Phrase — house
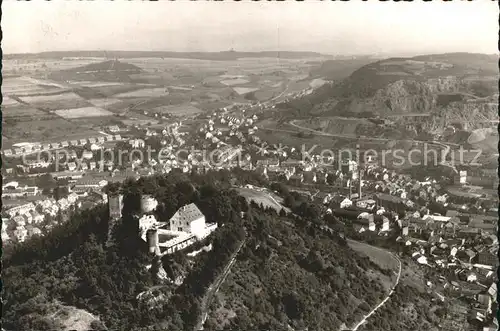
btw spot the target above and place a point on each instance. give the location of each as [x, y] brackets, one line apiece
[87, 155]
[20, 210]
[484, 301]
[21, 234]
[188, 219]
[390, 202]
[466, 255]
[72, 197]
[296, 179]
[492, 290]
[90, 183]
[19, 220]
[37, 217]
[366, 223]
[345, 203]
[486, 257]
[419, 258]
[477, 315]
[385, 224]
[366, 204]
[114, 128]
[468, 233]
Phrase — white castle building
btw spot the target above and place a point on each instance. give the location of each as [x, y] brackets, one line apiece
[187, 226]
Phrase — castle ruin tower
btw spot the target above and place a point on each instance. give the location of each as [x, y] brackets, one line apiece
[115, 206]
[152, 239]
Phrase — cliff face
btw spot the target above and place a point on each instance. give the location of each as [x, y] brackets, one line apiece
[434, 91]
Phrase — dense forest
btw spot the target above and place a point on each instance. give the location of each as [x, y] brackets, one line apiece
[73, 266]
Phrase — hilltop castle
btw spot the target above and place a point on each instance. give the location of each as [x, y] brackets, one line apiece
[184, 228]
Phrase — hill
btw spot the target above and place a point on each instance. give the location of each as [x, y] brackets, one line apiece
[339, 68]
[457, 89]
[127, 289]
[213, 56]
[112, 70]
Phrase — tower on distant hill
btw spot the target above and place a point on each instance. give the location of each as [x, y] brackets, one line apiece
[115, 206]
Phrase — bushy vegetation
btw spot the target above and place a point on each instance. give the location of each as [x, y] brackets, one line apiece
[293, 273]
[307, 276]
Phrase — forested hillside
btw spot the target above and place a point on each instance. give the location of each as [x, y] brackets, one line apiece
[126, 289]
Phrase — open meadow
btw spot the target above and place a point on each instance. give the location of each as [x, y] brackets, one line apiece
[83, 112]
[261, 197]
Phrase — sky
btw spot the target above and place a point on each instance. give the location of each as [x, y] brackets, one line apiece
[330, 27]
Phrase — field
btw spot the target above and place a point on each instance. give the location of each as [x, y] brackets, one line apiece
[261, 197]
[83, 112]
[245, 90]
[56, 102]
[96, 84]
[335, 125]
[79, 101]
[236, 81]
[144, 93]
[180, 110]
[9, 102]
[20, 111]
[104, 102]
[39, 130]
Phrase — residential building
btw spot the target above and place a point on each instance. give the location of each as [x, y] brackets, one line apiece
[390, 202]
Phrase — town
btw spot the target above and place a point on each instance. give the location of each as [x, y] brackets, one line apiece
[445, 224]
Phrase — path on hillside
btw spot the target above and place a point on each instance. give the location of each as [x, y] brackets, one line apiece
[444, 145]
[382, 303]
[214, 288]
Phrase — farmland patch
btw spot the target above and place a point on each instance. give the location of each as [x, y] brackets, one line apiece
[21, 111]
[179, 110]
[51, 98]
[40, 130]
[261, 197]
[235, 81]
[57, 101]
[143, 93]
[9, 102]
[100, 84]
[245, 90]
[104, 102]
[83, 112]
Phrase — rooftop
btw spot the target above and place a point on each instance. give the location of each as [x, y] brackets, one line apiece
[187, 214]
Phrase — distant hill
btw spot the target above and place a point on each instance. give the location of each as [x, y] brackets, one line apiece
[449, 88]
[112, 70]
[214, 56]
[339, 68]
[111, 65]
